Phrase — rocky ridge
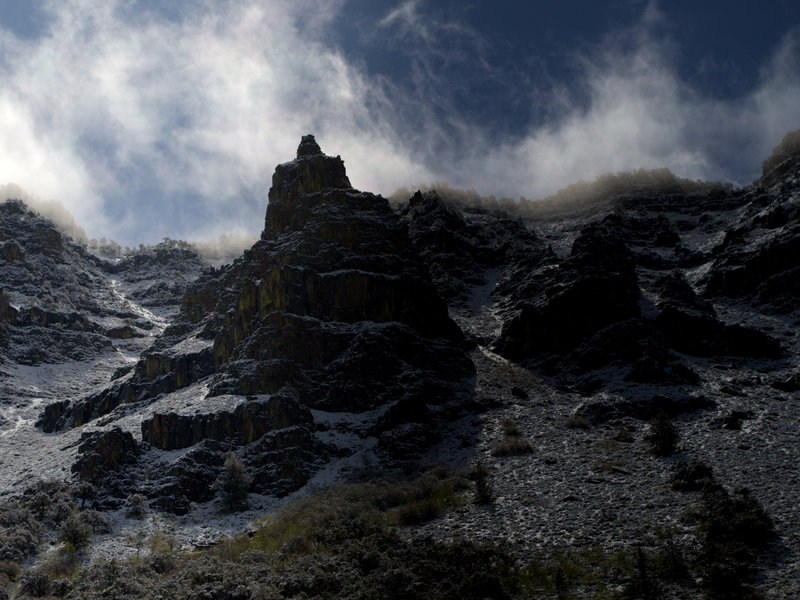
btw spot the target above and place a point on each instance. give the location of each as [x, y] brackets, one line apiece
[355, 337]
[331, 311]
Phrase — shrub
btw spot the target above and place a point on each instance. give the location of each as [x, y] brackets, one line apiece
[137, 507]
[34, 583]
[483, 487]
[690, 476]
[509, 427]
[663, 437]
[9, 568]
[733, 528]
[234, 484]
[512, 446]
[96, 520]
[74, 533]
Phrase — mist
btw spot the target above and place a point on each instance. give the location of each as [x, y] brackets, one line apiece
[146, 127]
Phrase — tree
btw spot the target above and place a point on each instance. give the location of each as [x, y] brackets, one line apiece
[663, 438]
[234, 484]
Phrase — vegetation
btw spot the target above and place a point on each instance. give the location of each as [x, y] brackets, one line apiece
[609, 187]
[483, 487]
[234, 484]
[513, 442]
[663, 437]
[355, 541]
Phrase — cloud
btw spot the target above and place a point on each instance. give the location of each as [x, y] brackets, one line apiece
[148, 125]
[141, 124]
[628, 108]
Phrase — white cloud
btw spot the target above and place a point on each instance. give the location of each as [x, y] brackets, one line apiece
[112, 105]
[147, 127]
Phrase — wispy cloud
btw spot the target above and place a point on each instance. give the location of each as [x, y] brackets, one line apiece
[145, 126]
[132, 120]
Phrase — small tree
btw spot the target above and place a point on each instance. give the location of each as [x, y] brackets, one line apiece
[234, 484]
[663, 438]
[74, 533]
[483, 487]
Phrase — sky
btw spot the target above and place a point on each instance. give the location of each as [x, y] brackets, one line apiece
[148, 119]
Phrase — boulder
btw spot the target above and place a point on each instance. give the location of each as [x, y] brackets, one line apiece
[102, 452]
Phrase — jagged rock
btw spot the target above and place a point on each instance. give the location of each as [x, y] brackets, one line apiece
[245, 423]
[283, 461]
[705, 336]
[768, 274]
[104, 451]
[674, 291]
[8, 314]
[595, 287]
[158, 372]
[458, 245]
[12, 251]
[332, 301]
[53, 417]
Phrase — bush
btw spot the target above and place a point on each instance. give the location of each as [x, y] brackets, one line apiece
[483, 487]
[663, 437]
[509, 427]
[96, 520]
[234, 484]
[137, 507]
[512, 446]
[74, 533]
[690, 476]
[9, 568]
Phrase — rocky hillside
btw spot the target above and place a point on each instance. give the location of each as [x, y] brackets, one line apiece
[623, 373]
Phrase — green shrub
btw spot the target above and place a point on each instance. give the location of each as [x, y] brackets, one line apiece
[510, 427]
[75, 534]
[483, 487]
[136, 505]
[234, 484]
[512, 446]
[690, 476]
[663, 437]
[9, 568]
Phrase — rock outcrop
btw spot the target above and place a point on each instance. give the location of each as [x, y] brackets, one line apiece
[332, 301]
[331, 310]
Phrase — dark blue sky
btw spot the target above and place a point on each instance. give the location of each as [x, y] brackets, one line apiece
[149, 118]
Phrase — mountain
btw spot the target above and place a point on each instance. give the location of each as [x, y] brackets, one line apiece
[619, 361]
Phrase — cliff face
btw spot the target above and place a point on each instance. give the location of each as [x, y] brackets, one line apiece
[333, 301]
[331, 310]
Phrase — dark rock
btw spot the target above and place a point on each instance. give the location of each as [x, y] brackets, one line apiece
[790, 384]
[11, 250]
[519, 393]
[8, 314]
[595, 287]
[284, 460]
[53, 417]
[244, 424]
[458, 245]
[408, 440]
[104, 451]
[701, 335]
[599, 410]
